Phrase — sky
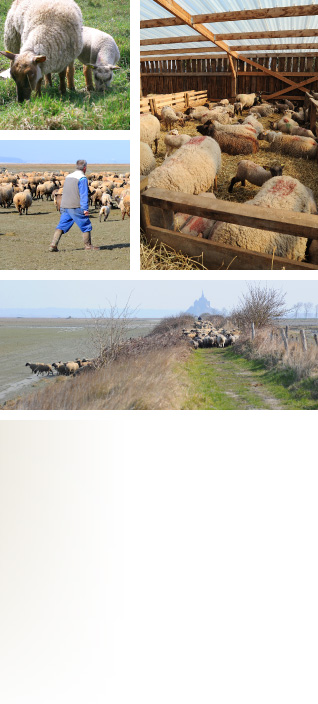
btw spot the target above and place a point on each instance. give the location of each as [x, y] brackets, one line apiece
[99, 151]
[167, 295]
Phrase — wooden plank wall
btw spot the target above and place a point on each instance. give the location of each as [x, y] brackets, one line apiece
[213, 75]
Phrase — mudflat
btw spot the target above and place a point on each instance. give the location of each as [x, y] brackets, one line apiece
[49, 340]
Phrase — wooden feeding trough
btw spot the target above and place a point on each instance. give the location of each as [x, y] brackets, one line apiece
[216, 255]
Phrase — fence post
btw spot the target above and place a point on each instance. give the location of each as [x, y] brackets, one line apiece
[253, 331]
[286, 331]
[186, 100]
[316, 338]
[284, 338]
[271, 335]
[303, 340]
[152, 104]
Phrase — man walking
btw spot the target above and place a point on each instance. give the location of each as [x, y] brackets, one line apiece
[74, 207]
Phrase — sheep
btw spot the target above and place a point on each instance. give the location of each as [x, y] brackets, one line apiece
[191, 169]
[6, 195]
[247, 100]
[46, 189]
[292, 145]
[33, 367]
[23, 201]
[254, 173]
[222, 117]
[280, 193]
[263, 110]
[106, 199]
[50, 35]
[252, 120]
[196, 113]
[230, 142]
[60, 368]
[238, 107]
[104, 212]
[168, 116]
[147, 160]
[174, 140]
[194, 225]
[71, 367]
[150, 130]
[220, 340]
[41, 368]
[289, 126]
[124, 205]
[100, 53]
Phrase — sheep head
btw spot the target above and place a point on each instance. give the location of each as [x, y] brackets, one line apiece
[103, 74]
[25, 71]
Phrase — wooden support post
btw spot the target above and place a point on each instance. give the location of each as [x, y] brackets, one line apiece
[152, 104]
[316, 338]
[186, 100]
[303, 340]
[253, 331]
[284, 338]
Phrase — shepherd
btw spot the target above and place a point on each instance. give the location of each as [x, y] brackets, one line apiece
[74, 207]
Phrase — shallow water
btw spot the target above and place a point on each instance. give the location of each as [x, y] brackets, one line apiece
[49, 340]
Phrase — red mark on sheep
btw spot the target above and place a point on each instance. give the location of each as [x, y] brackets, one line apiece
[283, 188]
[197, 140]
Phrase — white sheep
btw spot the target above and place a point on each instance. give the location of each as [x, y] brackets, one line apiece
[195, 225]
[41, 37]
[100, 53]
[174, 140]
[147, 160]
[289, 126]
[106, 199]
[23, 201]
[262, 110]
[254, 173]
[252, 120]
[293, 145]
[247, 99]
[150, 130]
[280, 193]
[169, 116]
[104, 212]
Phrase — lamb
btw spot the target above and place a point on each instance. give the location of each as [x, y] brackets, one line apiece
[281, 193]
[104, 212]
[23, 201]
[150, 130]
[174, 140]
[293, 145]
[147, 159]
[254, 173]
[100, 53]
[41, 38]
[168, 116]
[247, 100]
[231, 143]
[238, 107]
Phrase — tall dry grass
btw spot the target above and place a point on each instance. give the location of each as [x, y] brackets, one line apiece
[270, 349]
[152, 380]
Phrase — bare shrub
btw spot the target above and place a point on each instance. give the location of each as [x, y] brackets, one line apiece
[261, 305]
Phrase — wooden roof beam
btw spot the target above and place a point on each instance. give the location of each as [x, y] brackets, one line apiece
[179, 12]
[219, 55]
[237, 47]
[257, 14]
[277, 34]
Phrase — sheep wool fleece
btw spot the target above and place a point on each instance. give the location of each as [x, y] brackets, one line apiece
[74, 202]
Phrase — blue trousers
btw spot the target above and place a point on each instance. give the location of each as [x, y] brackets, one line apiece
[69, 216]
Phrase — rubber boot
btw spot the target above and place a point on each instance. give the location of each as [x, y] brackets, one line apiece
[56, 238]
[87, 241]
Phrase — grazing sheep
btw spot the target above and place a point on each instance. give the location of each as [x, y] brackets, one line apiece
[23, 201]
[292, 145]
[168, 116]
[41, 38]
[247, 100]
[147, 159]
[104, 212]
[174, 140]
[254, 173]
[231, 142]
[100, 53]
[280, 193]
[150, 130]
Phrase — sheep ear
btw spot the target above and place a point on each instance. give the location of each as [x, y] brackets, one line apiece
[40, 59]
[91, 65]
[8, 55]
[114, 67]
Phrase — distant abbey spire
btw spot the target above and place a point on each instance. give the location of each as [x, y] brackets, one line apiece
[202, 305]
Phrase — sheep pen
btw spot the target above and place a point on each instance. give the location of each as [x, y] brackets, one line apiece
[79, 108]
[25, 239]
[277, 78]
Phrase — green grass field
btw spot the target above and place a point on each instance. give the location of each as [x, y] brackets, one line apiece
[77, 110]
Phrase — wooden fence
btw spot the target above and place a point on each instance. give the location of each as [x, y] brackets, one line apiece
[171, 75]
[181, 101]
[216, 255]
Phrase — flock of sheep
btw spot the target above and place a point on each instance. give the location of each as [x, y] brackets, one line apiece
[44, 37]
[192, 164]
[107, 189]
[62, 368]
[204, 334]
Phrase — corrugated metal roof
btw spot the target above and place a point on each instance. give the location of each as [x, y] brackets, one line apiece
[150, 10]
